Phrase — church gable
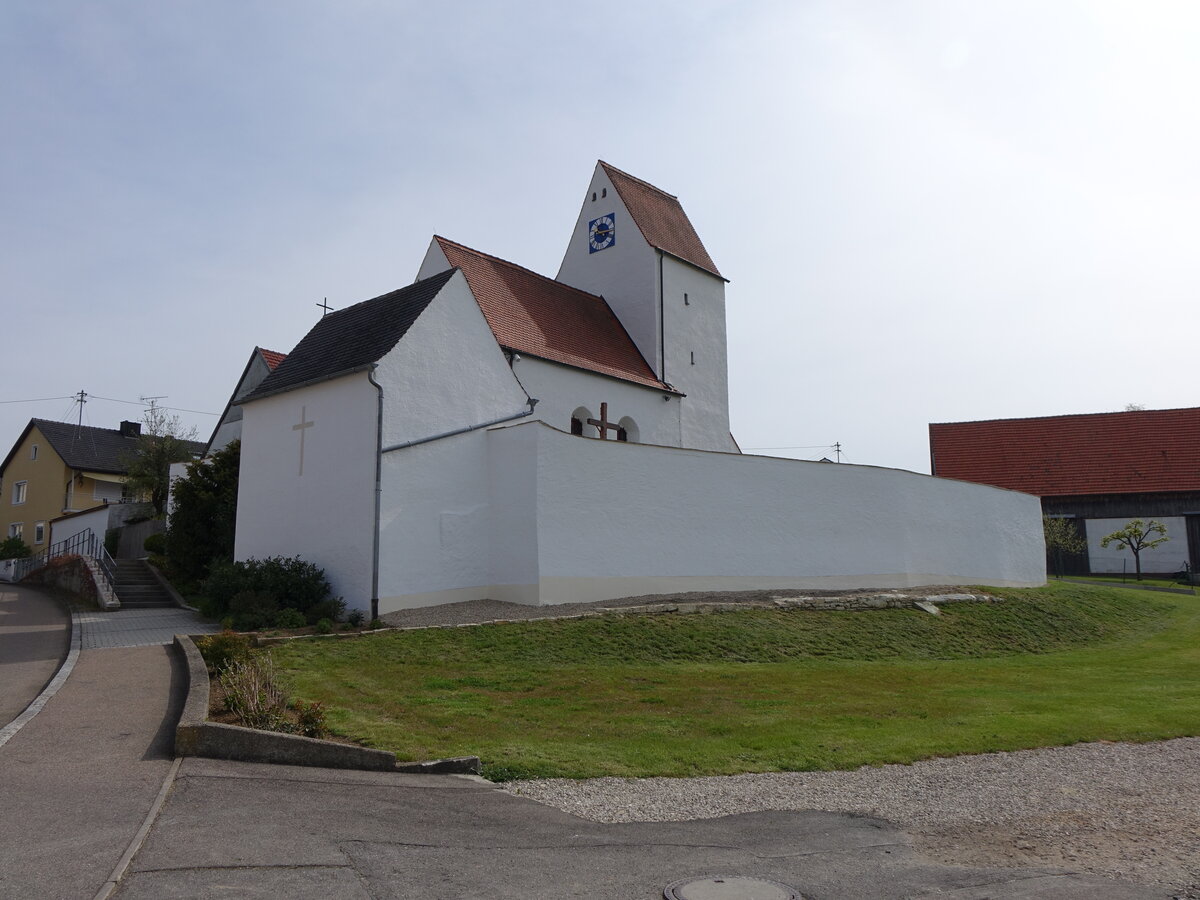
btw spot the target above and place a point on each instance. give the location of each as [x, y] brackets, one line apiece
[351, 339]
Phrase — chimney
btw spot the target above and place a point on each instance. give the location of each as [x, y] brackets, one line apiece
[131, 429]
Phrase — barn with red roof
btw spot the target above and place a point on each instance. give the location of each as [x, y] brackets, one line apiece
[1100, 470]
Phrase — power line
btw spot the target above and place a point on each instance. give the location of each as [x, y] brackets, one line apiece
[140, 403]
[40, 399]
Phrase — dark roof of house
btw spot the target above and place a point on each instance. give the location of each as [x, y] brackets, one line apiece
[87, 448]
[533, 314]
[351, 339]
[1140, 451]
[661, 219]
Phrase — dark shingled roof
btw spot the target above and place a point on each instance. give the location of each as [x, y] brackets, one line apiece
[351, 339]
[660, 218]
[1141, 451]
[87, 448]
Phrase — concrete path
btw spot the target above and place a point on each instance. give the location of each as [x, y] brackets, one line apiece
[139, 627]
[35, 632]
[249, 830]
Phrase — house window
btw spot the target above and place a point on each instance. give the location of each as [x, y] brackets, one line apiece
[39, 532]
[33, 451]
[19, 491]
[16, 529]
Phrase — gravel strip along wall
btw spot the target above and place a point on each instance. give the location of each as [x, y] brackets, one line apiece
[1129, 811]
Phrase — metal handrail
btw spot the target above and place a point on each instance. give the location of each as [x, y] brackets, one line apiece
[85, 543]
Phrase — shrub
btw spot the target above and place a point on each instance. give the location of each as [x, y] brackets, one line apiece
[310, 718]
[14, 547]
[355, 618]
[204, 510]
[252, 610]
[155, 544]
[375, 624]
[290, 618]
[324, 626]
[255, 693]
[291, 583]
[219, 650]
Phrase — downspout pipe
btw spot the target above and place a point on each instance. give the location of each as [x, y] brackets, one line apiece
[463, 430]
[378, 496]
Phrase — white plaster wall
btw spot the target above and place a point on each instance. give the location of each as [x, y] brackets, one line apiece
[447, 372]
[696, 331]
[96, 520]
[325, 515]
[621, 519]
[459, 522]
[434, 263]
[561, 389]
[1168, 557]
[625, 274]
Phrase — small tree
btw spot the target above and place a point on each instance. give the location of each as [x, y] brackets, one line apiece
[1136, 537]
[1062, 537]
[163, 441]
[200, 530]
[13, 547]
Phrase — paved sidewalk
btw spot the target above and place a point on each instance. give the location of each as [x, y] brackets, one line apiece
[139, 627]
[35, 633]
[77, 781]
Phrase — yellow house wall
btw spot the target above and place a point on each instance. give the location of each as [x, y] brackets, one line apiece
[46, 485]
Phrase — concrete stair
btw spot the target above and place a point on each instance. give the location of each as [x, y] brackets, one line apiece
[137, 588]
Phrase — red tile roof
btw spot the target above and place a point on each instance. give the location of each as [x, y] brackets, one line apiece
[533, 314]
[660, 218]
[1103, 453]
[272, 358]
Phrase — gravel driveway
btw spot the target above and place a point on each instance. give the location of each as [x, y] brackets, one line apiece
[1129, 811]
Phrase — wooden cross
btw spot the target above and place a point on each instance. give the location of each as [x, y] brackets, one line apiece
[603, 425]
[324, 304]
[302, 427]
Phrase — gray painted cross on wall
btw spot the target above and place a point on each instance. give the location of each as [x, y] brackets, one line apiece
[303, 426]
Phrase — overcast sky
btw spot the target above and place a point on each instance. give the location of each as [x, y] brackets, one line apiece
[928, 211]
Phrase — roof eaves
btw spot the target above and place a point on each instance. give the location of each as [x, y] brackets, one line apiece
[661, 387]
[262, 395]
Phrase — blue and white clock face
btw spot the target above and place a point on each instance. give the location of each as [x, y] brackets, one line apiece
[602, 233]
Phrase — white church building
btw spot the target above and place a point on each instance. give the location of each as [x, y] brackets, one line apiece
[489, 432]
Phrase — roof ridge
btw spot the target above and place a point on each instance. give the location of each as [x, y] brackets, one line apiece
[511, 264]
[610, 168]
[1115, 412]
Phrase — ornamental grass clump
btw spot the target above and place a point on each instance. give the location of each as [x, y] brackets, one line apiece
[255, 692]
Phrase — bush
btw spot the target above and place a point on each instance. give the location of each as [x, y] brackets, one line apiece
[290, 618]
[204, 510]
[355, 618]
[255, 693]
[219, 650]
[290, 583]
[310, 718]
[14, 548]
[252, 610]
[155, 544]
[324, 626]
[375, 624]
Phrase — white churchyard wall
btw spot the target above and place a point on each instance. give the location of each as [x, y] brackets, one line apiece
[325, 514]
[1168, 557]
[571, 519]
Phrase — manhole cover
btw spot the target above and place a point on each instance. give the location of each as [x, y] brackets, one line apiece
[729, 887]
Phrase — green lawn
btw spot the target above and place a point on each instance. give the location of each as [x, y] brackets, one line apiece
[765, 690]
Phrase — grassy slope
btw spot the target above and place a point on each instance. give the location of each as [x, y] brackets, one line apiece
[769, 690]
